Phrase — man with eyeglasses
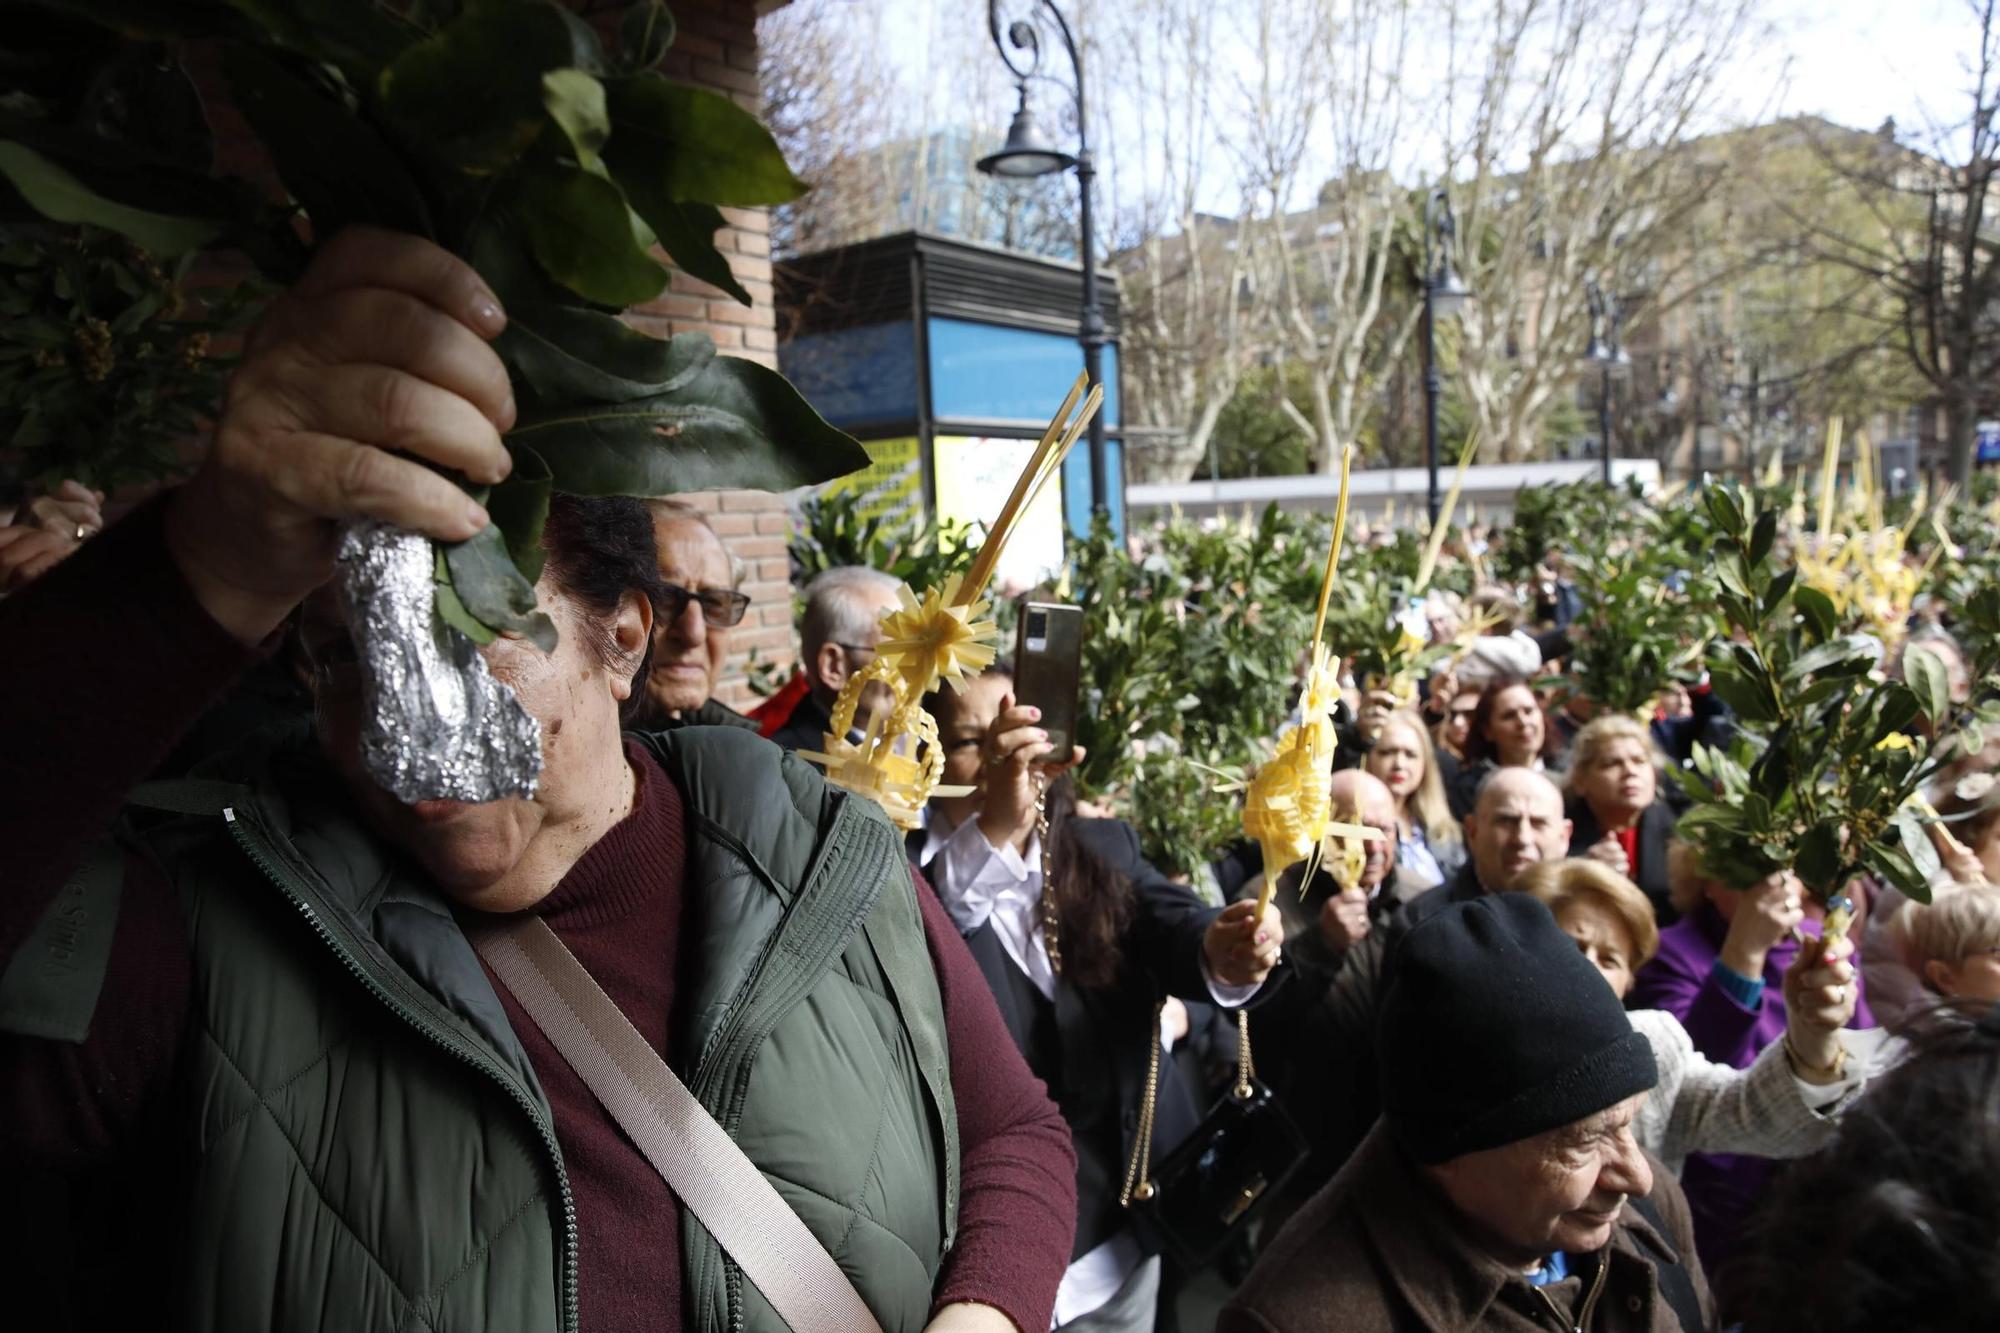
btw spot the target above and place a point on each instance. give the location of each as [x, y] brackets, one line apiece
[691, 633]
[837, 637]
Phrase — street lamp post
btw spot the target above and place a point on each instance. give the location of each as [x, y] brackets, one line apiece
[1700, 374]
[1670, 408]
[1028, 154]
[1444, 293]
[1750, 436]
[1608, 354]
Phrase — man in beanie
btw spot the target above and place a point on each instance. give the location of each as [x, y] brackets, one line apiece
[1517, 824]
[1502, 1188]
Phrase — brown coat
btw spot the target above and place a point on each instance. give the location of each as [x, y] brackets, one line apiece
[1378, 1251]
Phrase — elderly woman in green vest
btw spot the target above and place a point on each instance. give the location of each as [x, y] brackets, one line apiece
[252, 1073]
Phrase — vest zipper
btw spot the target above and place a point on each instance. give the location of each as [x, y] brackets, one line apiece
[1581, 1323]
[247, 841]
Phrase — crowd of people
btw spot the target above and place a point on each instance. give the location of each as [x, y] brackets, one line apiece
[1545, 1071]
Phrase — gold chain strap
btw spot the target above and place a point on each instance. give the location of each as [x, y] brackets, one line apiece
[1246, 1068]
[1138, 1171]
[1050, 938]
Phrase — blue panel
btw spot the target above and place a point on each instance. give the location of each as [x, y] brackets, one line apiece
[1076, 486]
[982, 372]
[855, 376]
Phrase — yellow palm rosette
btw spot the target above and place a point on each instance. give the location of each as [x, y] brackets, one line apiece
[936, 638]
[1287, 805]
[878, 767]
[1287, 811]
[928, 640]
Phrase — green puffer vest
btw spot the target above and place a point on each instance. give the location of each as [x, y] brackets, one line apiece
[372, 1149]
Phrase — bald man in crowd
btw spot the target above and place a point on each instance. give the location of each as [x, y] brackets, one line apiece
[1324, 922]
[1517, 820]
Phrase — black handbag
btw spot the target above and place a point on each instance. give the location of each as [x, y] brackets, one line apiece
[1203, 1193]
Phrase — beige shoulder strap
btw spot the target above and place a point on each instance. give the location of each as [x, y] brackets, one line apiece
[699, 1161]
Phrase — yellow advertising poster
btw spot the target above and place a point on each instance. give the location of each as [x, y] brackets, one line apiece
[891, 486]
[975, 474]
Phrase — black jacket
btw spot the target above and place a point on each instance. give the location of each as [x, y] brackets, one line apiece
[1312, 964]
[1335, 1095]
[1285, 1029]
[805, 729]
[1656, 831]
[1092, 1046]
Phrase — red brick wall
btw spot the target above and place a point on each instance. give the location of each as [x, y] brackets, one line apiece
[717, 48]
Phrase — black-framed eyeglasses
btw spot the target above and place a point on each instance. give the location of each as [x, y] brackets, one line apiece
[854, 649]
[720, 607]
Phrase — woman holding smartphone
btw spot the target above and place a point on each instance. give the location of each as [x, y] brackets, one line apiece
[1080, 939]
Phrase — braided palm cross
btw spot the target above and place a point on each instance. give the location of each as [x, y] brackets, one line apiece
[939, 637]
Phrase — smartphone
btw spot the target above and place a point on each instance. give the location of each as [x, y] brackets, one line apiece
[1048, 666]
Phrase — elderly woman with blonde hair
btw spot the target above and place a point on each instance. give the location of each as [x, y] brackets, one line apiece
[1783, 1104]
[1615, 811]
[1967, 838]
[1952, 943]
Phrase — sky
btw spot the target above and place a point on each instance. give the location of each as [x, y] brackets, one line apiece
[1859, 61]
[1854, 62]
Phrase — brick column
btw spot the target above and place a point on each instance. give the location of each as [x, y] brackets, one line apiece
[716, 47]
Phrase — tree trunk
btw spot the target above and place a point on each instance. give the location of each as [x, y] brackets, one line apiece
[1161, 460]
[1326, 437]
[1961, 422]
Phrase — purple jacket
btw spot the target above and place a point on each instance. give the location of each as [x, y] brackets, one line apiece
[1678, 981]
[1720, 1187]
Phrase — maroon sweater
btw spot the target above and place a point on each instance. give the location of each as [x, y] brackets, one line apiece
[106, 662]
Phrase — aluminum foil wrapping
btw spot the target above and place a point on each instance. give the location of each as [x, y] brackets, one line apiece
[436, 724]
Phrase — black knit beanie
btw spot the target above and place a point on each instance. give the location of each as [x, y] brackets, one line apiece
[1494, 1028]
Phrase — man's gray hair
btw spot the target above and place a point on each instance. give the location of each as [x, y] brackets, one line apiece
[835, 610]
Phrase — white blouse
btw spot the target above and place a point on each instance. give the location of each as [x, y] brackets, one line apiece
[980, 884]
